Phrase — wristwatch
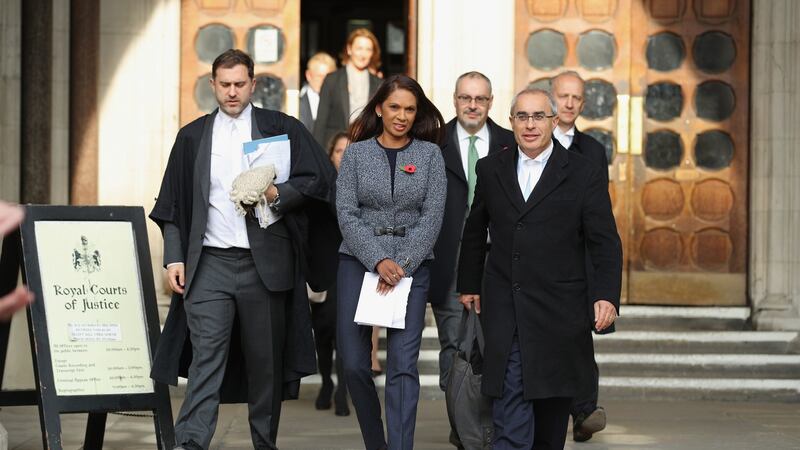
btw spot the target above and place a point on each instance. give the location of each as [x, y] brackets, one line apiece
[275, 204]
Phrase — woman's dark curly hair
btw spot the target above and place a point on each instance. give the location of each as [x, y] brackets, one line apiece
[428, 123]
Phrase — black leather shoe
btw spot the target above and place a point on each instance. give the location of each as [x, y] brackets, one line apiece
[340, 400]
[583, 427]
[324, 396]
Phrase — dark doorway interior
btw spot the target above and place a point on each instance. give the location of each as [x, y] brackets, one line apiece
[325, 25]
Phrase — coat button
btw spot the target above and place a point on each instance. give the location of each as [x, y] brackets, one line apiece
[516, 256]
[516, 287]
[520, 225]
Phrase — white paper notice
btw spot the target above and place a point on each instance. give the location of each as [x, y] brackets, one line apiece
[94, 332]
[388, 310]
[265, 46]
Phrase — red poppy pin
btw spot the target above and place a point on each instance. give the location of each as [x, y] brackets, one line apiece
[409, 169]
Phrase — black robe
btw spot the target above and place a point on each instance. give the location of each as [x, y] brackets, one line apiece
[315, 239]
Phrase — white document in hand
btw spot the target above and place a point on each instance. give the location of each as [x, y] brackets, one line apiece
[275, 150]
[382, 310]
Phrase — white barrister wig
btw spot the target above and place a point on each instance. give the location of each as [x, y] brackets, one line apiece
[249, 189]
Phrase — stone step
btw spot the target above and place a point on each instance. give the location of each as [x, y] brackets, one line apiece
[734, 342]
[727, 342]
[673, 318]
[678, 318]
[741, 366]
[654, 388]
[725, 389]
[663, 365]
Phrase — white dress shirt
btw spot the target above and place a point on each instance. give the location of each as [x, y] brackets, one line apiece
[481, 144]
[313, 102]
[225, 227]
[564, 137]
[529, 170]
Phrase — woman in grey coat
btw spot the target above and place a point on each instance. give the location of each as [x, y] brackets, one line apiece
[390, 200]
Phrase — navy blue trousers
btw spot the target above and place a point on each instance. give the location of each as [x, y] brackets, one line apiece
[539, 424]
[402, 353]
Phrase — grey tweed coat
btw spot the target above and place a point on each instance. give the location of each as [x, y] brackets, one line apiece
[364, 201]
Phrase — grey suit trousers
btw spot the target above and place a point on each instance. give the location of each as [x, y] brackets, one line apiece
[227, 284]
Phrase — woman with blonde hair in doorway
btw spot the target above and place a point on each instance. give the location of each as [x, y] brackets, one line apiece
[345, 91]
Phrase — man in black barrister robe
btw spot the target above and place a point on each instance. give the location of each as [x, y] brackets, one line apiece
[239, 315]
[544, 207]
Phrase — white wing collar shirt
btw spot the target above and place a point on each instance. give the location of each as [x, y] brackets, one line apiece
[564, 137]
[481, 144]
[225, 227]
[529, 170]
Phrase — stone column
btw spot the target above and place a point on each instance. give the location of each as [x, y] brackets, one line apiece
[84, 55]
[36, 77]
[10, 24]
[138, 99]
[775, 165]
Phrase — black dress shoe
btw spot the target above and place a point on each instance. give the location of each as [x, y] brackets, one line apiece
[340, 400]
[583, 427]
[324, 396]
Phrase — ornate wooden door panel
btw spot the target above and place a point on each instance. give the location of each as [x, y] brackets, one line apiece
[690, 67]
[667, 93]
[268, 30]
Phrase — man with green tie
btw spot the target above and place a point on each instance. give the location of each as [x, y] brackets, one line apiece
[470, 135]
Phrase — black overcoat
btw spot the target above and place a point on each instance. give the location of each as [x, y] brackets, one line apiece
[314, 236]
[589, 147]
[443, 267]
[535, 278]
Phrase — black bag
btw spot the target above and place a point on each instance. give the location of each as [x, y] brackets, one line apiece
[469, 411]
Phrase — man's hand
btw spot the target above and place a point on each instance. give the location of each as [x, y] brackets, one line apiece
[469, 299]
[13, 302]
[604, 314]
[271, 193]
[176, 277]
[390, 271]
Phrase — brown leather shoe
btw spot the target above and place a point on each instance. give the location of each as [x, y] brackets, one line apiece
[584, 427]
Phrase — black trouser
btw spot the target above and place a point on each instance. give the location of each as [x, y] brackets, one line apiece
[226, 284]
[587, 404]
[323, 321]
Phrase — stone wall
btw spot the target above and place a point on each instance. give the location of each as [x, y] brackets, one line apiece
[775, 165]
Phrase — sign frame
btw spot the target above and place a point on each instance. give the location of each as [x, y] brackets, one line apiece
[50, 404]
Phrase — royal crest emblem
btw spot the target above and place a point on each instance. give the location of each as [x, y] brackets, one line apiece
[87, 258]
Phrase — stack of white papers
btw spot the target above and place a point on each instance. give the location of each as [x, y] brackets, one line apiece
[388, 310]
[275, 151]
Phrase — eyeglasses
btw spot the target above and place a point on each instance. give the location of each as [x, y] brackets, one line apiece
[480, 100]
[538, 116]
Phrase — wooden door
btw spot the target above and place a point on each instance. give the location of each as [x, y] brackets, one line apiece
[667, 93]
[268, 30]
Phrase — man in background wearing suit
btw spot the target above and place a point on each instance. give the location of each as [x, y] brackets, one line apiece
[317, 67]
[568, 91]
[239, 298]
[543, 206]
[469, 136]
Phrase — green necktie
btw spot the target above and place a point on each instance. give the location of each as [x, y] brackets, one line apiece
[472, 159]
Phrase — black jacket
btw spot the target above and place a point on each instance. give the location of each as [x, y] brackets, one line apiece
[534, 281]
[588, 146]
[443, 268]
[333, 114]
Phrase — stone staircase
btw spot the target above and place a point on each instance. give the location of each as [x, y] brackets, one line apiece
[665, 353]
